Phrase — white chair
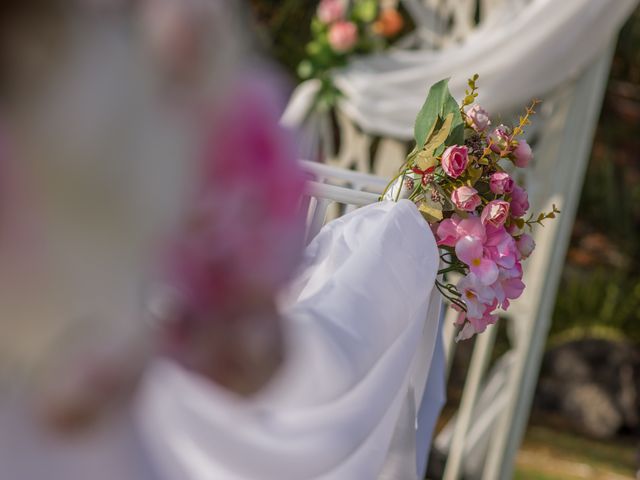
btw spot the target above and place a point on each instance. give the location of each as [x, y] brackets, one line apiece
[351, 190]
[482, 443]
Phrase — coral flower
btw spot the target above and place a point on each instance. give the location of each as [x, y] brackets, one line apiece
[389, 23]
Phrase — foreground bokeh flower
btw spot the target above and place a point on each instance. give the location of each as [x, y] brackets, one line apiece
[240, 243]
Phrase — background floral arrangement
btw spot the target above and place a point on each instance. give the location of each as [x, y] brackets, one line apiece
[457, 177]
[341, 28]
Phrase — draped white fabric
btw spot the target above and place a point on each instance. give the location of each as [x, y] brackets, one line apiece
[519, 54]
[362, 328]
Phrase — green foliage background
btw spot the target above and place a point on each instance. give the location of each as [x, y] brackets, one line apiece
[600, 291]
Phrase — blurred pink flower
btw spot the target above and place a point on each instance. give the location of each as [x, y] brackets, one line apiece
[479, 118]
[501, 183]
[245, 228]
[343, 36]
[466, 198]
[240, 243]
[523, 154]
[495, 213]
[519, 202]
[455, 160]
[330, 11]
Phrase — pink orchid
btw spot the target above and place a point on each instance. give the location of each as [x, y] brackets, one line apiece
[470, 250]
[447, 231]
[488, 318]
[472, 227]
[501, 247]
[476, 295]
[472, 326]
[509, 285]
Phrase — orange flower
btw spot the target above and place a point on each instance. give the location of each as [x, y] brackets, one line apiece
[389, 23]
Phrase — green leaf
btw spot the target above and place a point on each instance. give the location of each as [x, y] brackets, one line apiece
[474, 175]
[438, 105]
[426, 160]
[318, 27]
[438, 137]
[456, 137]
[430, 210]
[365, 10]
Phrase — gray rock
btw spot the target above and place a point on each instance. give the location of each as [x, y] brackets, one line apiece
[594, 384]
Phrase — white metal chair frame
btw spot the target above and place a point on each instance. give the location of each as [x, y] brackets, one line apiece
[483, 442]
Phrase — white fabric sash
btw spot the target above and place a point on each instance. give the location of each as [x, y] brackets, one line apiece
[361, 342]
[519, 54]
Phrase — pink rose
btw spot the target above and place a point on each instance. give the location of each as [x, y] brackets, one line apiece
[495, 213]
[330, 11]
[523, 154]
[343, 36]
[466, 198]
[526, 245]
[519, 201]
[501, 183]
[455, 160]
[500, 138]
[479, 118]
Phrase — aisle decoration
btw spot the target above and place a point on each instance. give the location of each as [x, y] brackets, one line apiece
[460, 175]
[342, 28]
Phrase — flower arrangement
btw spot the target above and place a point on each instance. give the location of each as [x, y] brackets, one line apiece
[341, 28]
[457, 176]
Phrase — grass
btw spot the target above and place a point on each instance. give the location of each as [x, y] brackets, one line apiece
[549, 454]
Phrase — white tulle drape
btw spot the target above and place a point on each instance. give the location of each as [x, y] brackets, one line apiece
[363, 328]
[519, 54]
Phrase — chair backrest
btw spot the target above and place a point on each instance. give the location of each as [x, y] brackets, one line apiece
[441, 22]
[482, 443]
[333, 185]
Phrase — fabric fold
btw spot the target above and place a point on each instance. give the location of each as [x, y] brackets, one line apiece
[357, 320]
[519, 53]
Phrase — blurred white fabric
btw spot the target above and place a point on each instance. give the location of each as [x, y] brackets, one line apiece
[362, 325]
[518, 53]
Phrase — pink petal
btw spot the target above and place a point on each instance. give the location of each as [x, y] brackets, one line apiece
[466, 332]
[487, 271]
[447, 232]
[472, 227]
[469, 249]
